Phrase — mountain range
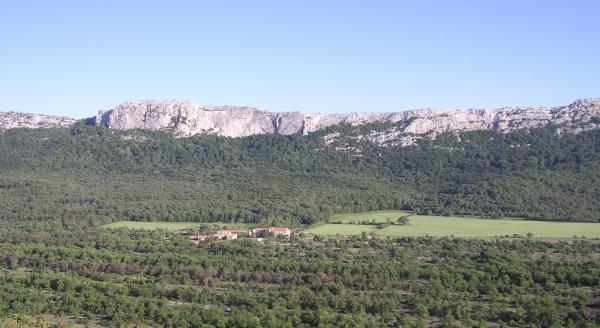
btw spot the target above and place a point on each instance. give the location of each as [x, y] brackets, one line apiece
[186, 118]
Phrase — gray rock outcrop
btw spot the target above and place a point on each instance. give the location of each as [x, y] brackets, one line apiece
[186, 118]
[11, 120]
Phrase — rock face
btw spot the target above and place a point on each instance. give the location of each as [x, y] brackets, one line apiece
[11, 120]
[185, 118]
[579, 116]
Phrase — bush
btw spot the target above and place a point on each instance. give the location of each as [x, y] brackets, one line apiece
[403, 220]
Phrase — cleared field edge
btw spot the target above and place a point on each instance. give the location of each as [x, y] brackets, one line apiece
[379, 216]
[440, 226]
[172, 226]
[342, 229]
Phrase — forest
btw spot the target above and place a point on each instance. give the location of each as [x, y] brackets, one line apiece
[128, 278]
[88, 176]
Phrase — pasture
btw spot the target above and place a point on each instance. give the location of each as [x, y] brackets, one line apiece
[377, 216]
[175, 226]
[440, 226]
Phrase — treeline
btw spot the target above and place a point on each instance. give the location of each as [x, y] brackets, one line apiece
[88, 175]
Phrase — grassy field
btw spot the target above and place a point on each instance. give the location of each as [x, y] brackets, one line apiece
[342, 229]
[439, 226]
[378, 216]
[175, 226]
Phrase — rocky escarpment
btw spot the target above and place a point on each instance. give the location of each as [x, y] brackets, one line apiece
[185, 118]
[11, 120]
[410, 126]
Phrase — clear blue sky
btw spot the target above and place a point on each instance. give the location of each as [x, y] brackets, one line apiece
[77, 57]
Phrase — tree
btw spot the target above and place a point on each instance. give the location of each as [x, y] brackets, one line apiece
[403, 220]
[275, 122]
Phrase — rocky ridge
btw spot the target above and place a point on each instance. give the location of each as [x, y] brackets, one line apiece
[11, 120]
[581, 115]
[186, 118]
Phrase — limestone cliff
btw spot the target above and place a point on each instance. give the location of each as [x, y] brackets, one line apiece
[185, 118]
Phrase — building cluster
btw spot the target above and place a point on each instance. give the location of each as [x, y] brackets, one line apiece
[257, 233]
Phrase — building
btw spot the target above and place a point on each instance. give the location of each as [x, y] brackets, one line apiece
[265, 232]
[199, 238]
[280, 231]
[242, 233]
[259, 232]
[225, 235]
[202, 237]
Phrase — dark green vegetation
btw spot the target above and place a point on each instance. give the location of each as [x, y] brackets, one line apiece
[179, 226]
[86, 176]
[58, 186]
[124, 276]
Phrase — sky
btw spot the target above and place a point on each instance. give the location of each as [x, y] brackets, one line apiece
[75, 58]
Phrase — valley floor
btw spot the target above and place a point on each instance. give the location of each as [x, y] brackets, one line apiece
[444, 226]
[382, 223]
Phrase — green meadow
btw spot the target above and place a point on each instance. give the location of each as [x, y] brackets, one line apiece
[377, 216]
[440, 226]
[175, 226]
